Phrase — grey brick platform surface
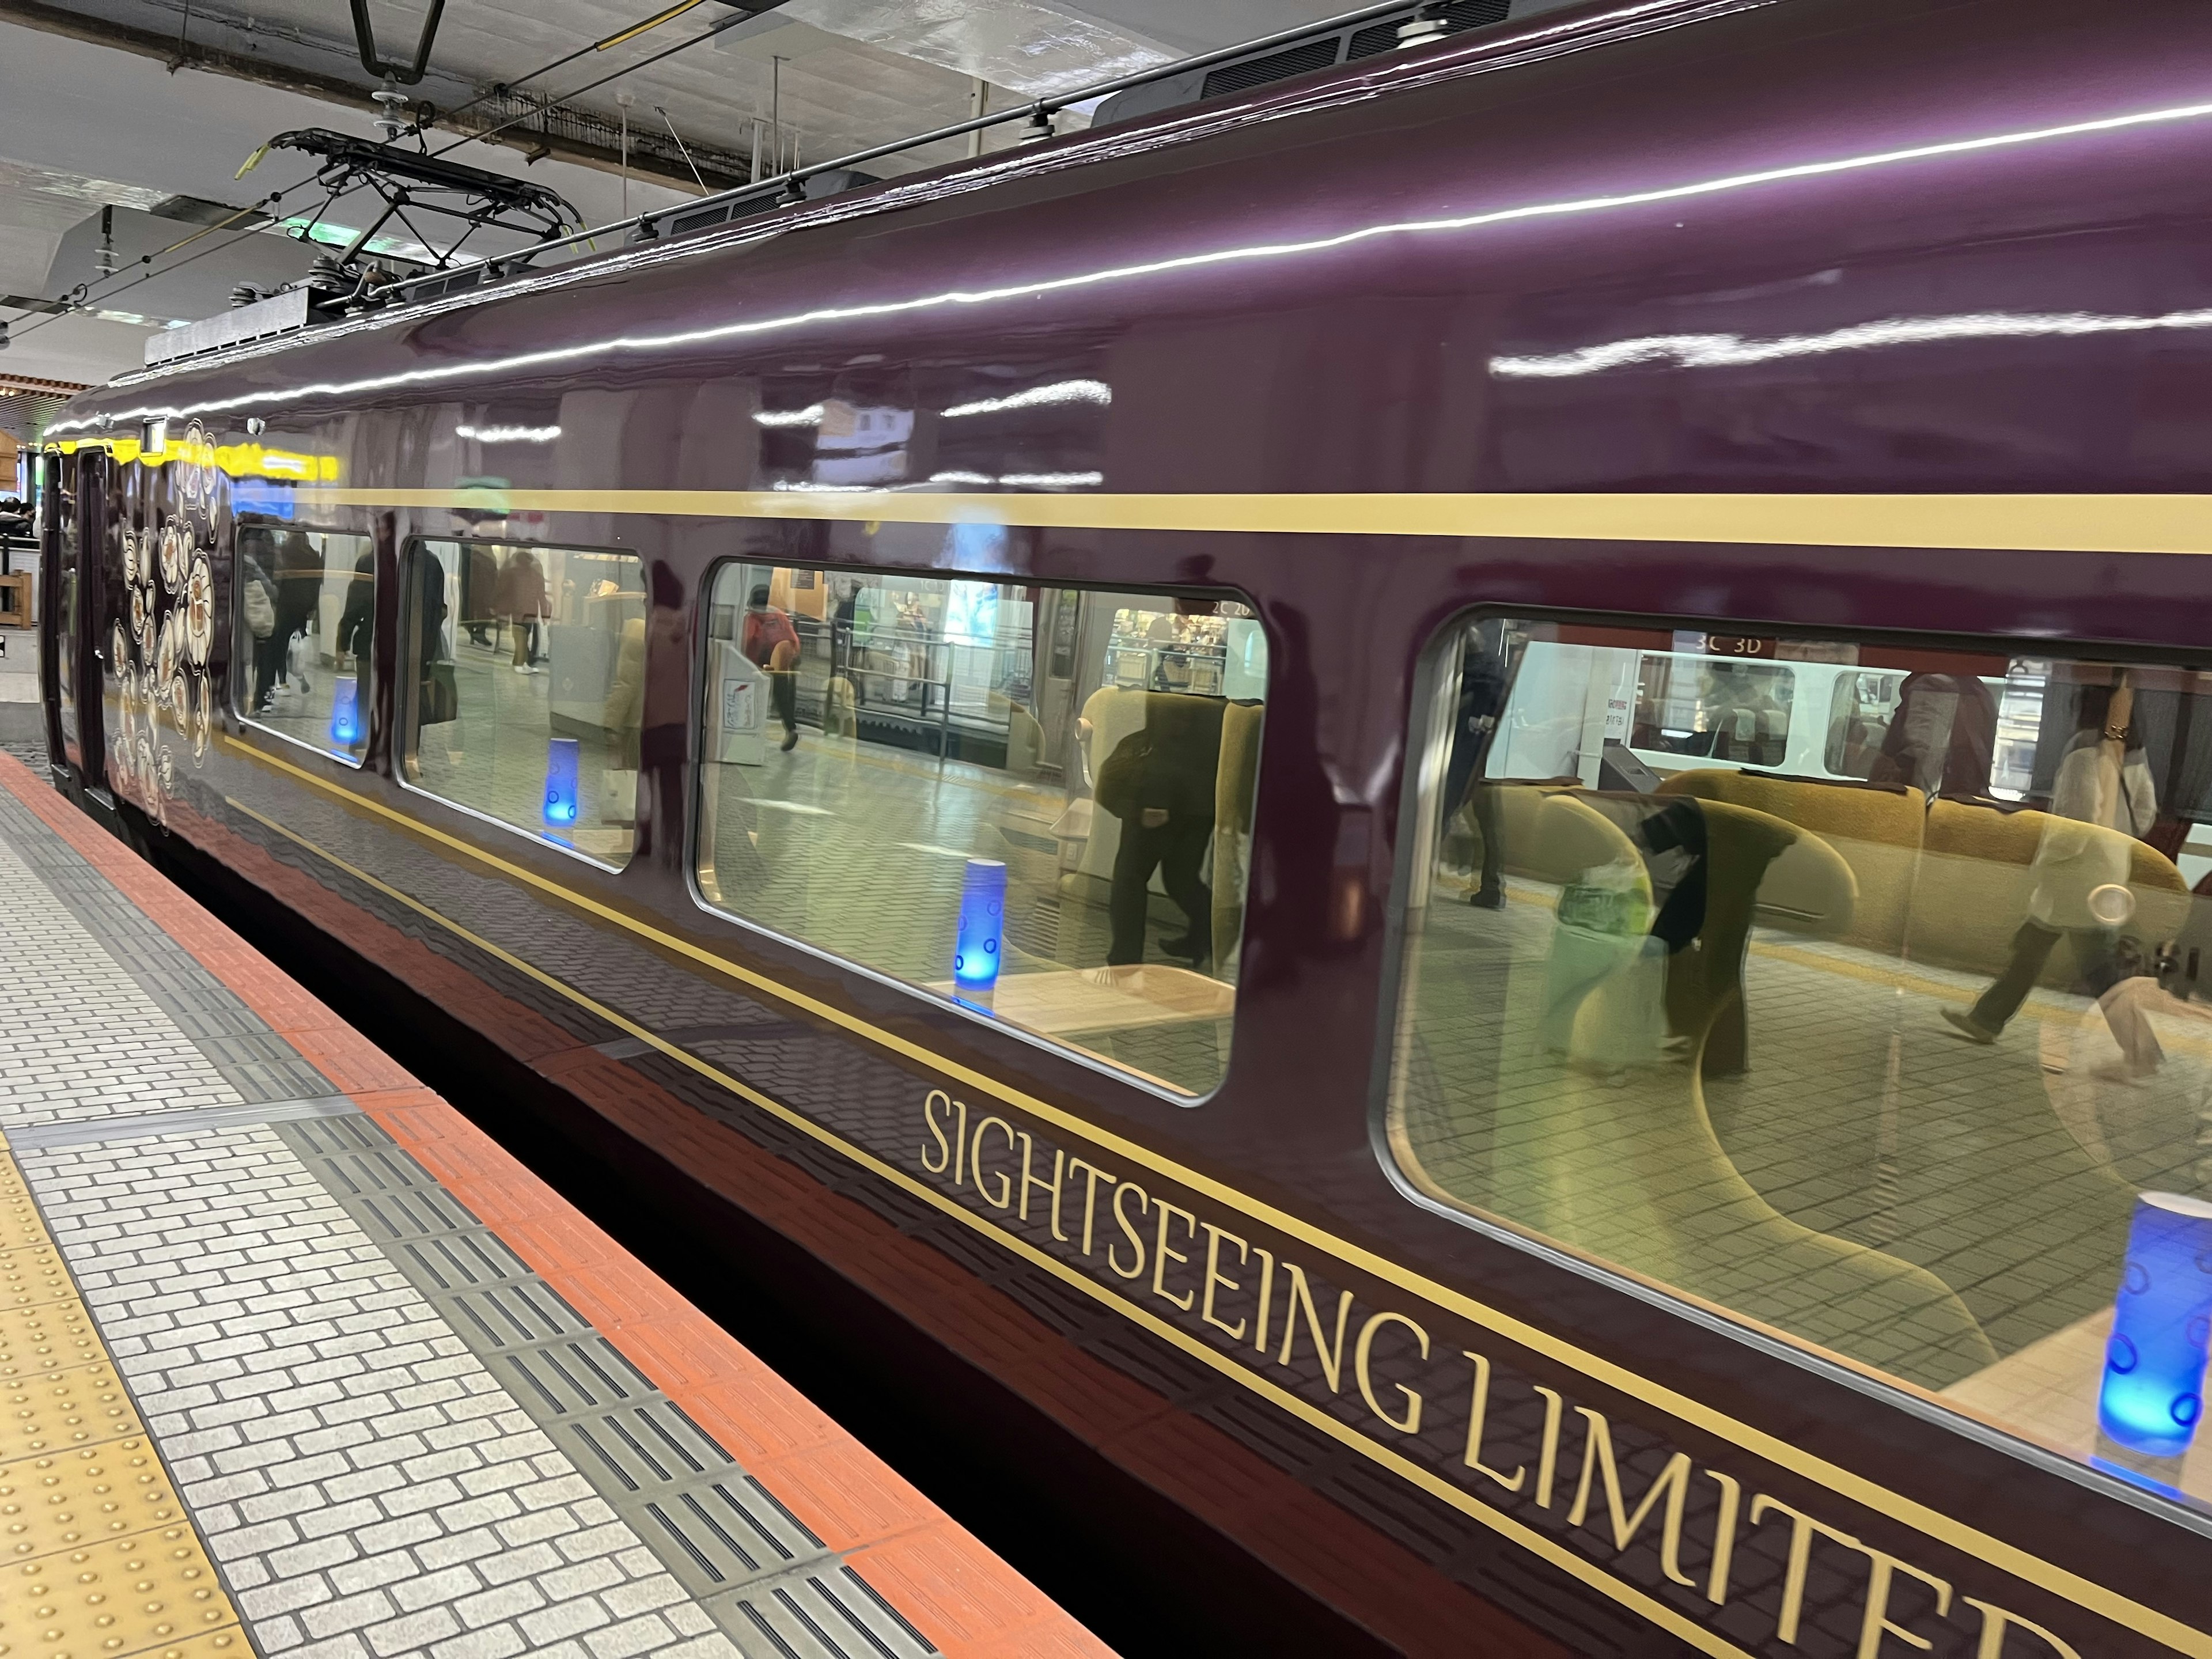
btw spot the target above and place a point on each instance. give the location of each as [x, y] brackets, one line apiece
[395, 1439]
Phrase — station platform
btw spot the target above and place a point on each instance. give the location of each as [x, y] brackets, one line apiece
[296, 1361]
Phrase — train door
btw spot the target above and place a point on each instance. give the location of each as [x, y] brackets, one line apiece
[72, 579]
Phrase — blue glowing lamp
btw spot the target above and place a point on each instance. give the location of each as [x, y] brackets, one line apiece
[561, 755]
[982, 927]
[2154, 1390]
[345, 711]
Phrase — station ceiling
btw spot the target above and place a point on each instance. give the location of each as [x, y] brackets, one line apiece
[151, 106]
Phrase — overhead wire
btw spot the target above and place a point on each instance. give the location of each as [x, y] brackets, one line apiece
[708, 33]
[149, 272]
[665, 14]
[99, 289]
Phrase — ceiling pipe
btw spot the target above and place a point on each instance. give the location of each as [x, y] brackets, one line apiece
[364, 37]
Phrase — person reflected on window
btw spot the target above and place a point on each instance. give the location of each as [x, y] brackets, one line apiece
[357, 622]
[1482, 689]
[257, 553]
[1941, 738]
[299, 588]
[770, 643]
[479, 593]
[437, 699]
[1160, 782]
[522, 601]
[2080, 879]
[1746, 724]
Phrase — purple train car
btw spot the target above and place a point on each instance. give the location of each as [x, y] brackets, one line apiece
[1428, 841]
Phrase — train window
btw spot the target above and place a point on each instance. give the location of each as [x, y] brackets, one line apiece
[1034, 801]
[305, 602]
[523, 687]
[1899, 1052]
[1717, 709]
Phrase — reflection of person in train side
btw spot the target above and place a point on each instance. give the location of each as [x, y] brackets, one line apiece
[771, 644]
[1748, 724]
[1942, 737]
[1159, 782]
[1482, 688]
[2102, 797]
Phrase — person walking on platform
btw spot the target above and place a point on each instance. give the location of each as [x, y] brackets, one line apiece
[1159, 782]
[299, 576]
[770, 643]
[522, 600]
[2102, 797]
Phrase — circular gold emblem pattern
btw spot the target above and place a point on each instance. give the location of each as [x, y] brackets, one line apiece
[199, 612]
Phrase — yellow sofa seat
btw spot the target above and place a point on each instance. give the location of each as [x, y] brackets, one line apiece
[1875, 831]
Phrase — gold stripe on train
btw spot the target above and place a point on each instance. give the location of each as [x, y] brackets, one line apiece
[2063, 524]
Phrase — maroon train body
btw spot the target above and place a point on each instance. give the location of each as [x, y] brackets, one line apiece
[1891, 322]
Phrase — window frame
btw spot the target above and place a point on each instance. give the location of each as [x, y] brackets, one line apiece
[1430, 714]
[696, 805]
[242, 663]
[405, 692]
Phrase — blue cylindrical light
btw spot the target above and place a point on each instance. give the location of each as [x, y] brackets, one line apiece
[983, 926]
[345, 711]
[2153, 1391]
[561, 756]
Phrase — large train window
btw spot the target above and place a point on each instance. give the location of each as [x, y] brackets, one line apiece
[1036, 802]
[1895, 1045]
[522, 671]
[305, 603]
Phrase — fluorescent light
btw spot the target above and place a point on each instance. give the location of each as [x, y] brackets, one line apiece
[962, 478]
[1051, 480]
[810, 415]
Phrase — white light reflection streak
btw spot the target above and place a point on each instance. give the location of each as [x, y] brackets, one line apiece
[1731, 350]
[1062, 392]
[508, 434]
[551, 356]
[810, 415]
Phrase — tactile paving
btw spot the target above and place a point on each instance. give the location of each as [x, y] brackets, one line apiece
[53, 1336]
[64, 1411]
[98, 1557]
[147, 1594]
[21, 1223]
[33, 1275]
[70, 1499]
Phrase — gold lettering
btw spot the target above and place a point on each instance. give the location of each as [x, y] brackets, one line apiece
[1478, 1409]
[1995, 1621]
[1875, 1625]
[1090, 1196]
[1136, 1239]
[1412, 1424]
[1802, 1528]
[1332, 1355]
[1672, 1482]
[1005, 1200]
[1214, 1276]
[1723, 1536]
[1548, 1457]
[1267, 1293]
[1028, 1181]
[960, 1145]
[1162, 1255]
[929, 1117]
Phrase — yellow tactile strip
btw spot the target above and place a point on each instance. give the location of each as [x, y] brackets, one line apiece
[98, 1557]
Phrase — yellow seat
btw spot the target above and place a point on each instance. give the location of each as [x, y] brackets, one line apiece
[1875, 831]
[1977, 872]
